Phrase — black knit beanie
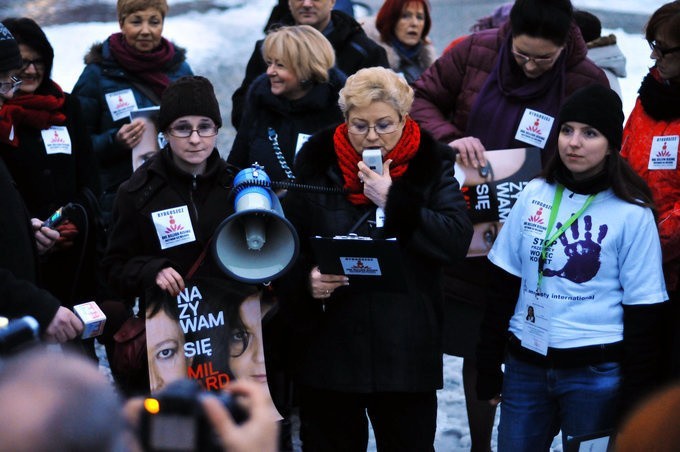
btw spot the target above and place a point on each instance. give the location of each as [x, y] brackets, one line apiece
[189, 96]
[599, 107]
[10, 57]
[26, 31]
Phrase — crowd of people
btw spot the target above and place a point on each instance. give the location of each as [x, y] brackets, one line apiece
[561, 299]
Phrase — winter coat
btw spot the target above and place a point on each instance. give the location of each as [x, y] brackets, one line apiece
[353, 51]
[638, 136]
[288, 118]
[374, 341]
[447, 91]
[608, 56]
[134, 255]
[103, 75]
[49, 181]
[19, 295]
[410, 69]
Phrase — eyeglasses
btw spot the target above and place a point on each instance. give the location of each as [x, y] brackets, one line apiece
[7, 87]
[380, 129]
[185, 131]
[238, 342]
[38, 63]
[523, 59]
[659, 50]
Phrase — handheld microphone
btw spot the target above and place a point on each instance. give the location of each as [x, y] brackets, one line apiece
[59, 216]
[17, 333]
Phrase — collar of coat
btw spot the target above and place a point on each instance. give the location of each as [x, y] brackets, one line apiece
[100, 54]
[318, 158]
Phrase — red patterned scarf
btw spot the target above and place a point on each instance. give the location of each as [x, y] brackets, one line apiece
[349, 158]
[148, 66]
[38, 111]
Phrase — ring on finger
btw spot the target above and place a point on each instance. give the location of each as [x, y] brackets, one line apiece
[328, 292]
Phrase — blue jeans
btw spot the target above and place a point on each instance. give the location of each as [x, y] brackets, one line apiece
[538, 402]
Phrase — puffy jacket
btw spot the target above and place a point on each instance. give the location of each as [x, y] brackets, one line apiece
[447, 91]
[638, 135]
[103, 75]
[318, 109]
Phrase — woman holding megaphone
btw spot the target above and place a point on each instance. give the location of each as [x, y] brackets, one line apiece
[358, 352]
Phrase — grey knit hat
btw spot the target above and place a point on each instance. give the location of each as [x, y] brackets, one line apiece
[10, 57]
[189, 96]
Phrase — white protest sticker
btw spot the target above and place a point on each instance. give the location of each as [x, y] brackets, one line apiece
[534, 128]
[121, 103]
[173, 226]
[57, 140]
[664, 153]
[364, 266]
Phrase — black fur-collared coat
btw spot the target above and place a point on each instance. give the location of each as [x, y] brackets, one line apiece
[367, 341]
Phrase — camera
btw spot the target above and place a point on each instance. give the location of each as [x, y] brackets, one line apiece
[17, 334]
[174, 419]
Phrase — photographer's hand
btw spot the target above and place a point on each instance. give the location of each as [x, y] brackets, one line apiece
[259, 433]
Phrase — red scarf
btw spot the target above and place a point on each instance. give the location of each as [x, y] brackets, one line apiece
[148, 66]
[348, 158]
[38, 111]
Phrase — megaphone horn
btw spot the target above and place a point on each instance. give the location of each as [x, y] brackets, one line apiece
[256, 244]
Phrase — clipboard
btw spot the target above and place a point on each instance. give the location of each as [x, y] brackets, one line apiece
[371, 264]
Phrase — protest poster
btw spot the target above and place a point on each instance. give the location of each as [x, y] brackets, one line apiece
[211, 332]
[149, 143]
[491, 191]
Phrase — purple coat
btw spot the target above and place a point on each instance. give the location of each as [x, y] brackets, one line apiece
[445, 93]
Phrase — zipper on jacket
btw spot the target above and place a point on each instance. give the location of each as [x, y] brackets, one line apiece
[194, 184]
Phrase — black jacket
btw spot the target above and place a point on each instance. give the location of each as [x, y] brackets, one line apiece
[134, 255]
[353, 51]
[49, 181]
[19, 295]
[378, 341]
[289, 118]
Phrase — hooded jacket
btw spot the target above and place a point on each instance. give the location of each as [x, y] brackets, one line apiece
[103, 75]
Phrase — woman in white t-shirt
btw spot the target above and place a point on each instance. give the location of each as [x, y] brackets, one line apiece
[582, 239]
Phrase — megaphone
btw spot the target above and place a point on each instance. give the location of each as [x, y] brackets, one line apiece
[256, 244]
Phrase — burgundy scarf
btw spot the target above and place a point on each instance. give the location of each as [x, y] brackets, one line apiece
[349, 158]
[38, 111]
[147, 66]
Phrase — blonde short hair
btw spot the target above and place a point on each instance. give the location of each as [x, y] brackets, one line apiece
[376, 84]
[127, 7]
[303, 50]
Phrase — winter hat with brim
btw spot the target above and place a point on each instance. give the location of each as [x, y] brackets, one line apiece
[189, 96]
[10, 57]
[599, 107]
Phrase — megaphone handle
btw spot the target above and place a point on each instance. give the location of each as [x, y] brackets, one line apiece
[199, 259]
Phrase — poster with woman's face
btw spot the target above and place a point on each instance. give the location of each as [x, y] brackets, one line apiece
[210, 332]
[491, 191]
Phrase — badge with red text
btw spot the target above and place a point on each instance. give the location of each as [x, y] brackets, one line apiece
[534, 128]
[664, 153]
[173, 226]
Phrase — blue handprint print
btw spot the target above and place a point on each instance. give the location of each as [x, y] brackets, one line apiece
[583, 256]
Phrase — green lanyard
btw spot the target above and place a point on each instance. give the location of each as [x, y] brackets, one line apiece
[557, 200]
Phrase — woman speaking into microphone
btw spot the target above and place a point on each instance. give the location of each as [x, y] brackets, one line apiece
[372, 352]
